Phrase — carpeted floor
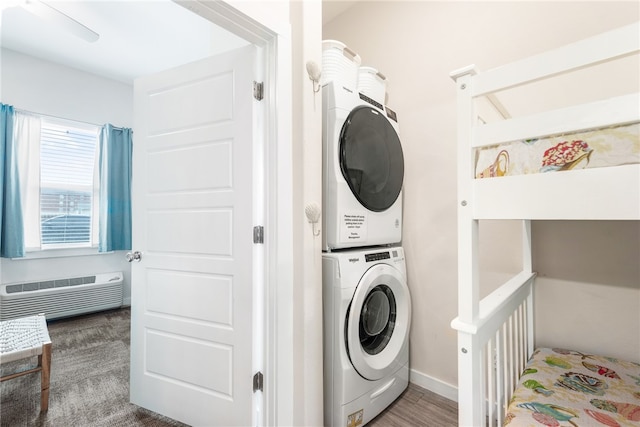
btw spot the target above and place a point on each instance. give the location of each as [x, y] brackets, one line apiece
[89, 379]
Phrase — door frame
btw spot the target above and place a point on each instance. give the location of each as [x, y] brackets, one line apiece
[276, 197]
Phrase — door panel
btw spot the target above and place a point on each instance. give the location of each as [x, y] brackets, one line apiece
[177, 351]
[217, 290]
[211, 159]
[167, 103]
[192, 292]
[182, 232]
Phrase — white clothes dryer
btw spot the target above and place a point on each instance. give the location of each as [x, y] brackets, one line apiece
[367, 315]
[363, 171]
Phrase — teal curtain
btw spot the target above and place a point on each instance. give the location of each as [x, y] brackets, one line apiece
[11, 222]
[116, 150]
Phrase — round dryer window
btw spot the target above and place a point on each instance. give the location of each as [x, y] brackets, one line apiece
[371, 158]
[377, 324]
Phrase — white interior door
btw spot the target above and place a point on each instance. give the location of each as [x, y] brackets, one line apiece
[192, 289]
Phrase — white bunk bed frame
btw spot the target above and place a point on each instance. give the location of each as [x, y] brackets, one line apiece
[496, 333]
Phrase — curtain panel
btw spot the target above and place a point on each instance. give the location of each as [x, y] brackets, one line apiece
[11, 221]
[26, 131]
[116, 150]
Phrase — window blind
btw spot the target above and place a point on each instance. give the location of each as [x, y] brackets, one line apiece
[67, 157]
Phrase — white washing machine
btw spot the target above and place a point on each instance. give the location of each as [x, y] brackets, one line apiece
[363, 171]
[367, 315]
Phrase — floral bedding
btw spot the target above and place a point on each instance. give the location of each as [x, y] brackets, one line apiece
[563, 387]
[597, 148]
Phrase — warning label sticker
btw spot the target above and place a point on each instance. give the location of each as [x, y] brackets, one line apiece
[355, 419]
[353, 227]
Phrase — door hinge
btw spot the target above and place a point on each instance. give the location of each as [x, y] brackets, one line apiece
[258, 90]
[258, 382]
[258, 234]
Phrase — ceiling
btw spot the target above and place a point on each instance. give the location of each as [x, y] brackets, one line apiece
[136, 38]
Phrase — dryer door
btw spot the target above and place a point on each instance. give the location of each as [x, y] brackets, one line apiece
[378, 322]
[371, 158]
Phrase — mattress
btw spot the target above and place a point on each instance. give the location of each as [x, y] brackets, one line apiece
[563, 387]
[607, 147]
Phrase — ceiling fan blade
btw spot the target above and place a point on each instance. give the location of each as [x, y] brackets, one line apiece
[51, 14]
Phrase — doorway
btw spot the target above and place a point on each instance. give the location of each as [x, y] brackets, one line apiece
[225, 15]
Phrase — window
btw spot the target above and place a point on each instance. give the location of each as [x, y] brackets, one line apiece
[57, 202]
[68, 188]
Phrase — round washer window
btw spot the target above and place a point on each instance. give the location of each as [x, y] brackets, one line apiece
[377, 319]
[371, 158]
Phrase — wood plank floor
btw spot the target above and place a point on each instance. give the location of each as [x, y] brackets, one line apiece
[417, 407]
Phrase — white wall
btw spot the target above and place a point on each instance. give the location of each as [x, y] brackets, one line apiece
[43, 87]
[306, 30]
[416, 45]
[588, 287]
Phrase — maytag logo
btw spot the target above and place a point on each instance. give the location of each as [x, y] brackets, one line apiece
[354, 259]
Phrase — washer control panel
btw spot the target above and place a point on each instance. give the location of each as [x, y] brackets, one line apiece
[378, 256]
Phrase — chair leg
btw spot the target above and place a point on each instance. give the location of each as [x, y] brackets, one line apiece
[45, 363]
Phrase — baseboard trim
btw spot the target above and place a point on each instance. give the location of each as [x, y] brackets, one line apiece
[433, 384]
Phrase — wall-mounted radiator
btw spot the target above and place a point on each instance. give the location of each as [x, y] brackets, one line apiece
[62, 297]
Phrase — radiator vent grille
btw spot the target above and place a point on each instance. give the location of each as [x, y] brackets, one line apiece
[62, 297]
[36, 286]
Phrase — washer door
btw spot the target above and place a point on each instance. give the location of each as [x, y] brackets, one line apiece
[378, 322]
[371, 158]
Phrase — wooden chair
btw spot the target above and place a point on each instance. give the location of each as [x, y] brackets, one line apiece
[24, 338]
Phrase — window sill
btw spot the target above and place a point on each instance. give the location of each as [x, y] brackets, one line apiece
[60, 253]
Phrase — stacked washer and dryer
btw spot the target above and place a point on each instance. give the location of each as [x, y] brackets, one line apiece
[366, 302]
